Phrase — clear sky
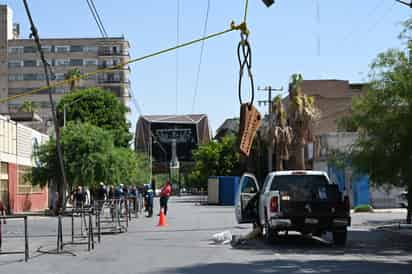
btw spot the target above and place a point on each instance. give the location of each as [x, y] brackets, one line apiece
[283, 37]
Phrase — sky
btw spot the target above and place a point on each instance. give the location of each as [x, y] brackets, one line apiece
[321, 39]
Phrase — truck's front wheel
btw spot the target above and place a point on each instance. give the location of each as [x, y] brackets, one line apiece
[340, 237]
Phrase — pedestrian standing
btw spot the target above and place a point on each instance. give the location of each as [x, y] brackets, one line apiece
[2, 213]
[154, 187]
[164, 196]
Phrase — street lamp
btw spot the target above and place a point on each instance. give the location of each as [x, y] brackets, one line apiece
[268, 3]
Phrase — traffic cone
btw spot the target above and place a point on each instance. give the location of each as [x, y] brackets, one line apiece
[162, 219]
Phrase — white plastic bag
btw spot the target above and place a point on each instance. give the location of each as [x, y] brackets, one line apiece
[222, 237]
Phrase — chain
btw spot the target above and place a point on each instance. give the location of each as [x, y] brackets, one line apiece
[244, 55]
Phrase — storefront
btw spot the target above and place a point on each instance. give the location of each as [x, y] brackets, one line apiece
[17, 143]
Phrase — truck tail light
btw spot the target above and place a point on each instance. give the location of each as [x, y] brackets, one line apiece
[274, 204]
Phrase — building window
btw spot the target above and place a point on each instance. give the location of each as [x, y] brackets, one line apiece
[76, 48]
[90, 49]
[30, 76]
[14, 64]
[62, 62]
[76, 62]
[62, 48]
[90, 62]
[59, 90]
[24, 185]
[30, 63]
[59, 76]
[15, 50]
[30, 49]
[46, 49]
[15, 77]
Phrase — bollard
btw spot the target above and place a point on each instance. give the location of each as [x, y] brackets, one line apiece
[98, 228]
[26, 240]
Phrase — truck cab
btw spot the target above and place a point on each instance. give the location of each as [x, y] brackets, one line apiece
[303, 201]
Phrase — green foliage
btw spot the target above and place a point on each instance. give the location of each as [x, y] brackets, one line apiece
[100, 108]
[363, 208]
[90, 157]
[73, 75]
[214, 159]
[29, 106]
[383, 117]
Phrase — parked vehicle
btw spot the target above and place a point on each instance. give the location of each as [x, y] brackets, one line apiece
[303, 201]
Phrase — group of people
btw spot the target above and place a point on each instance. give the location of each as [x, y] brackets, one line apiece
[81, 196]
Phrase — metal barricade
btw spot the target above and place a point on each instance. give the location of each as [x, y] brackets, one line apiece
[86, 225]
[26, 237]
[114, 215]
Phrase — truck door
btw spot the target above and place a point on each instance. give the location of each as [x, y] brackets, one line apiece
[246, 207]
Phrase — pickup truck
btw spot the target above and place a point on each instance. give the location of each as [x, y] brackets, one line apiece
[303, 201]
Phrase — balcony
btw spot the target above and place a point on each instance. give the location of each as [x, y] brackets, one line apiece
[105, 66]
[113, 53]
[113, 81]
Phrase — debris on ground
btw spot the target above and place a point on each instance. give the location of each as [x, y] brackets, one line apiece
[224, 237]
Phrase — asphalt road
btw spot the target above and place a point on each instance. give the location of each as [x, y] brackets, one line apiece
[184, 246]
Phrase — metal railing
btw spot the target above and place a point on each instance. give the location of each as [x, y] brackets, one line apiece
[26, 237]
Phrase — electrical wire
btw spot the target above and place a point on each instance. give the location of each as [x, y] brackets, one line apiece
[233, 27]
[355, 28]
[202, 46]
[99, 18]
[177, 52]
[96, 19]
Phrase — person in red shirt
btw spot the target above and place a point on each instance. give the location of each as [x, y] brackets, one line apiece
[164, 196]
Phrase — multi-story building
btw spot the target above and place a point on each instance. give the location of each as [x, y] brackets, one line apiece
[21, 69]
[17, 146]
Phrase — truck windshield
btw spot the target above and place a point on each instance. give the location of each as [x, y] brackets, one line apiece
[305, 187]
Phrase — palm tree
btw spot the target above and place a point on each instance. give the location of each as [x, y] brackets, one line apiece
[302, 114]
[282, 135]
[73, 76]
[28, 106]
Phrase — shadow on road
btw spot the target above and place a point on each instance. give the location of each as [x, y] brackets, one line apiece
[295, 266]
[375, 243]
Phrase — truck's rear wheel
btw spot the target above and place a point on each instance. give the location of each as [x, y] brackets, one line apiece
[268, 233]
[340, 237]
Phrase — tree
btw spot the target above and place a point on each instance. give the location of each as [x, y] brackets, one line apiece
[282, 134]
[301, 113]
[217, 158]
[73, 75]
[100, 108]
[29, 106]
[90, 157]
[383, 119]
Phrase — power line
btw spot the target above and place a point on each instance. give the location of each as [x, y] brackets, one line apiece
[350, 34]
[232, 27]
[35, 36]
[96, 18]
[177, 52]
[202, 46]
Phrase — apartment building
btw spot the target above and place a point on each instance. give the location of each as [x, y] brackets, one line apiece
[21, 69]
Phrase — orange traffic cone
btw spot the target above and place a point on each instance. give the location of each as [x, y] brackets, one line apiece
[162, 219]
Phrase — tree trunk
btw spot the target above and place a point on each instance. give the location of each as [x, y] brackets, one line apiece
[300, 157]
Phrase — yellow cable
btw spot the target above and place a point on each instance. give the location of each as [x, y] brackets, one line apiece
[233, 27]
[246, 10]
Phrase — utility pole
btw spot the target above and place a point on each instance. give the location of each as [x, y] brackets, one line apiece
[269, 102]
[35, 35]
